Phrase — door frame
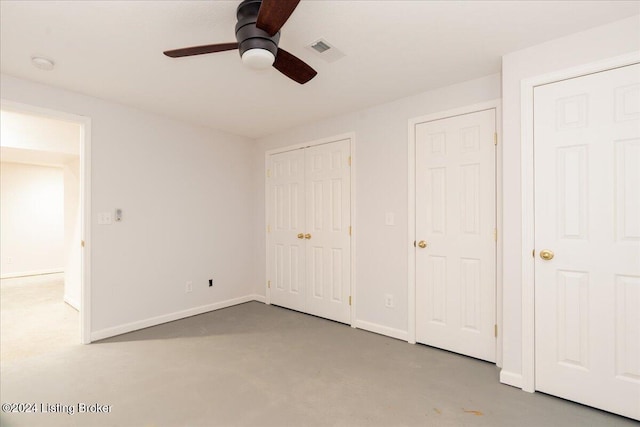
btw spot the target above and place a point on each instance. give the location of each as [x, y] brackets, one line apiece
[527, 87]
[411, 254]
[85, 201]
[351, 136]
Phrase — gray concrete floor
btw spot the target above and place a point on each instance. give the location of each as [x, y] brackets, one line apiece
[259, 365]
[34, 318]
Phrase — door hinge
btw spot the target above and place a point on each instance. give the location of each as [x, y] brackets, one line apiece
[349, 230]
[495, 138]
[82, 243]
[268, 173]
[495, 330]
[495, 234]
[269, 284]
[349, 160]
[268, 229]
[349, 299]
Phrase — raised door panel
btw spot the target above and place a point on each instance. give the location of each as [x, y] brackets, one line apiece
[587, 198]
[286, 216]
[455, 215]
[328, 215]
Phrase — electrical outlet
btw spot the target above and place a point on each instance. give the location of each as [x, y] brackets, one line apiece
[210, 282]
[188, 287]
[388, 301]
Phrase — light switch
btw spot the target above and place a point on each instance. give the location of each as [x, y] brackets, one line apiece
[389, 218]
[105, 218]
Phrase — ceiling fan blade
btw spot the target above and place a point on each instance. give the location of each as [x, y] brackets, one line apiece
[293, 67]
[274, 13]
[200, 50]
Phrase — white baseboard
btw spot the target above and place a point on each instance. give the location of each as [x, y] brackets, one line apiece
[32, 273]
[73, 303]
[158, 320]
[153, 321]
[259, 298]
[511, 378]
[382, 330]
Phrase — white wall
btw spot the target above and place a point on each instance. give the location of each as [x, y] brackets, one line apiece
[188, 193]
[581, 48]
[381, 186]
[32, 219]
[31, 132]
[187, 196]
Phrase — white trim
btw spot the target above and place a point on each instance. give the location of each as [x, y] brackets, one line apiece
[527, 190]
[411, 230]
[327, 140]
[351, 136]
[85, 195]
[85, 201]
[75, 304]
[495, 104]
[354, 229]
[258, 298]
[32, 273]
[267, 167]
[499, 243]
[511, 378]
[382, 330]
[158, 320]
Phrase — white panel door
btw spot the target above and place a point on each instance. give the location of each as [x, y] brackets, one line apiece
[328, 215]
[587, 213]
[286, 219]
[308, 238]
[456, 220]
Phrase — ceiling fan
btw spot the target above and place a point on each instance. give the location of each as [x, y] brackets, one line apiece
[257, 35]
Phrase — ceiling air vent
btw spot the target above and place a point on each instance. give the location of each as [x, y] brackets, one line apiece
[320, 46]
[325, 50]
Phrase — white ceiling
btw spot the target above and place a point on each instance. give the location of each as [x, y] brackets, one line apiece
[113, 50]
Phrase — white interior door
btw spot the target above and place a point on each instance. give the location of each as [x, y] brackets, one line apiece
[309, 218]
[455, 222]
[286, 228]
[587, 219]
[328, 220]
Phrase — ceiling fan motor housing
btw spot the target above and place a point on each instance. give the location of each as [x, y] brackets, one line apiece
[248, 35]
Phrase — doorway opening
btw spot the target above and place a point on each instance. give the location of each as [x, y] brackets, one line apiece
[44, 266]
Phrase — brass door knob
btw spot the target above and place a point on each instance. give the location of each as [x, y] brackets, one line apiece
[422, 244]
[307, 236]
[300, 236]
[546, 254]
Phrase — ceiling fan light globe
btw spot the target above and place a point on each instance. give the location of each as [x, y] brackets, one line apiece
[258, 59]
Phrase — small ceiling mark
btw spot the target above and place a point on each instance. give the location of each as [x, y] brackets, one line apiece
[42, 63]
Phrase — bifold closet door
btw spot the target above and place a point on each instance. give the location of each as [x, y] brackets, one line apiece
[286, 262]
[309, 219]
